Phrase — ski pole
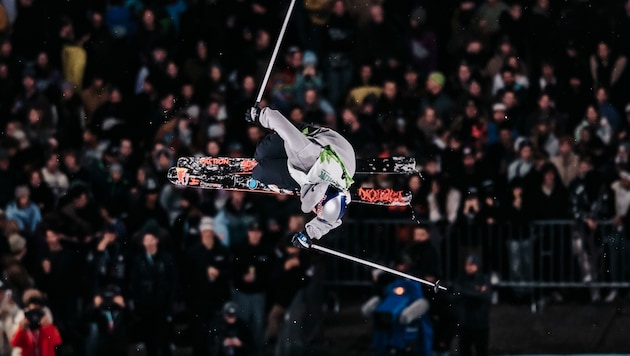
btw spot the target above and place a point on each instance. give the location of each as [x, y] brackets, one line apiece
[275, 52]
[436, 286]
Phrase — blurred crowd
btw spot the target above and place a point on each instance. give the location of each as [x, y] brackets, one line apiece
[515, 111]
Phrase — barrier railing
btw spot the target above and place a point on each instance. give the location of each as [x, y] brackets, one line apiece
[541, 254]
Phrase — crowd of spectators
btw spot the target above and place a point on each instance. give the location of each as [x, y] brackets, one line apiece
[514, 110]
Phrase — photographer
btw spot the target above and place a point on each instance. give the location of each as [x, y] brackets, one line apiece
[420, 257]
[473, 291]
[108, 317]
[207, 281]
[231, 335]
[61, 276]
[291, 272]
[589, 202]
[107, 261]
[308, 78]
[252, 265]
[153, 291]
[36, 335]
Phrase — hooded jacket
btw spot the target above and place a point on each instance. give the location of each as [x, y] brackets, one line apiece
[335, 166]
[324, 158]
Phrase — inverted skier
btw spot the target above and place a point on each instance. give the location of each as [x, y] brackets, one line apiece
[317, 161]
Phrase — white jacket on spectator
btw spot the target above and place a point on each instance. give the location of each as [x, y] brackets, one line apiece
[453, 200]
[604, 130]
[622, 196]
[57, 181]
[8, 313]
[519, 168]
[567, 167]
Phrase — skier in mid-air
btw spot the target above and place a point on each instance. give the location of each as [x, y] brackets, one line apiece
[317, 161]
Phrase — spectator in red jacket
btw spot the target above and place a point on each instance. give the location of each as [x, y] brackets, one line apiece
[36, 335]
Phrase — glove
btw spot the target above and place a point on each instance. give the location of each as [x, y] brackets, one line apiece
[414, 311]
[253, 114]
[301, 240]
[370, 306]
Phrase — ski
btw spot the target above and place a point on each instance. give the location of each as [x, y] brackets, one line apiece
[231, 165]
[183, 176]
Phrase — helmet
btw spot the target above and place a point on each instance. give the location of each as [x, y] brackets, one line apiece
[333, 205]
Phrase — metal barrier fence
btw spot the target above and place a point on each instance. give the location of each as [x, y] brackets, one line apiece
[541, 254]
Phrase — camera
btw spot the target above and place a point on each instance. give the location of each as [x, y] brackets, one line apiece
[390, 333]
[108, 299]
[388, 312]
[108, 295]
[230, 350]
[34, 317]
[472, 193]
